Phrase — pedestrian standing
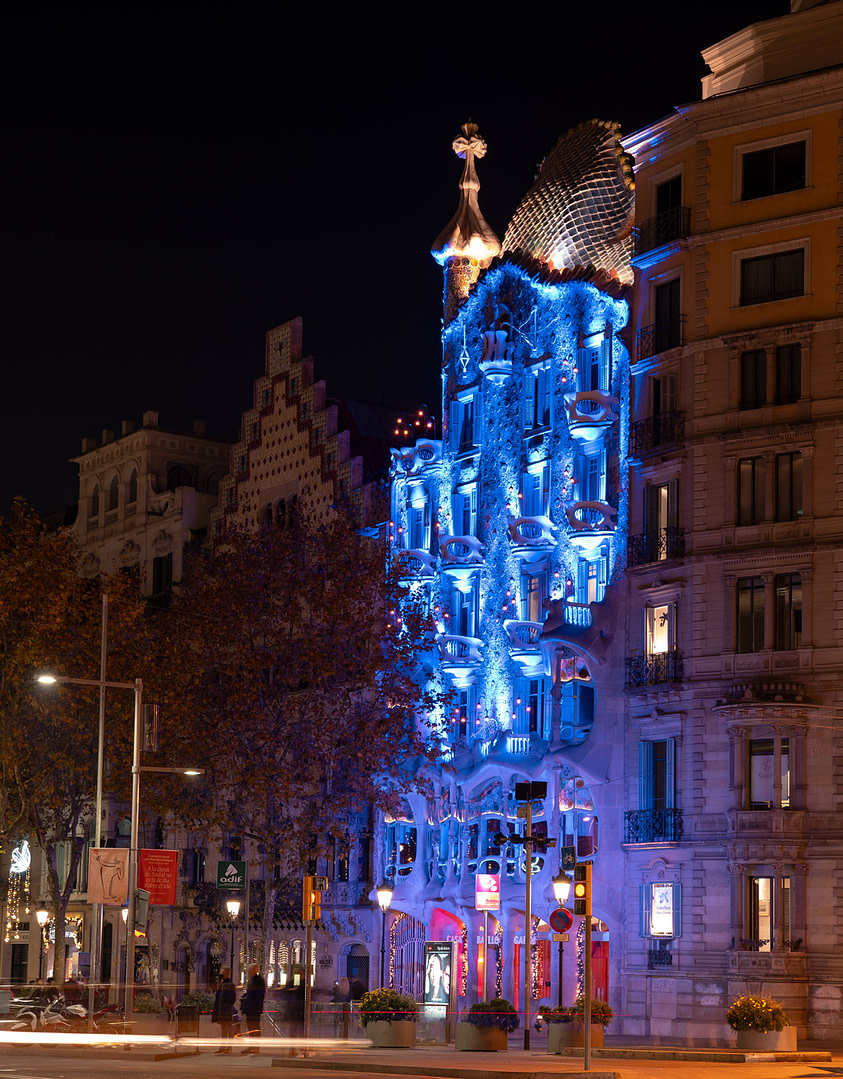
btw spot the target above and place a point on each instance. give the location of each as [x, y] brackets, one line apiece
[252, 1005]
[224, 1008]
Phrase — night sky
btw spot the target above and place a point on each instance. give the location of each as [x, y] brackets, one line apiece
[178, 180]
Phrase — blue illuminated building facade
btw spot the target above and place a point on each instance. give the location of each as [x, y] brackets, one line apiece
[513, 527]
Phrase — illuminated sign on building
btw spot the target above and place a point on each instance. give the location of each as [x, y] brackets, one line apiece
[488, 891]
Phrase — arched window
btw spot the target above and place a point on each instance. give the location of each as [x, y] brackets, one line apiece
[113, 493]
[133, 487]
[267, 515]
[94, 510]
[178, 476]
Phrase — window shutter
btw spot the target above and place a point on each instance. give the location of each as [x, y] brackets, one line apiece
[454, 424]
[677, 910]
[527, 403]
[477, 403]
[602, 574]
[606, 365]
[645, 775]
[645, 894]
[670, 773]
[582, 581]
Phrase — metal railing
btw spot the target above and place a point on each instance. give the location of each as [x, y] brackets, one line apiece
[656, 546]
[659, 669]
[645, 435]
[672, 225]
[659, 957]
[652, 826]
[660, 336]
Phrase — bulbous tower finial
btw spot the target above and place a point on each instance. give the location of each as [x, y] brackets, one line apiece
[467, 244]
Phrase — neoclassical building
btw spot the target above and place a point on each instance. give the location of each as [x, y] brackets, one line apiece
[513, 528]
[733, 582]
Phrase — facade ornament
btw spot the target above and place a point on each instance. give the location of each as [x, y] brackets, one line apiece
[467, 244]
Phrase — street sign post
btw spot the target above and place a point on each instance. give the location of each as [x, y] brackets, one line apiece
[561, 920]
[231, 876]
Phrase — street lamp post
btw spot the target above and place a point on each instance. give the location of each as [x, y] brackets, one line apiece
[384, 894]
[102, 684]
[561, 890]
[42, 916]
[233, 908]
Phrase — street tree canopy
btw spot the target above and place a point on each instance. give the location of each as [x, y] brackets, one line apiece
[288, 660]
[50, 622]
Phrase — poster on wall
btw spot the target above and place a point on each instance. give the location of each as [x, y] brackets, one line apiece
[108, 875]
[437, 971]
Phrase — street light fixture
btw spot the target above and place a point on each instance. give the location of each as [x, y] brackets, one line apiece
[561, 890]
[42, 916]
[384, 894]
[233, 908]
[47, 679]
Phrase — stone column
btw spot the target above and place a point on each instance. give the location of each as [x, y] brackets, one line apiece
[738, 889]
[778, 906]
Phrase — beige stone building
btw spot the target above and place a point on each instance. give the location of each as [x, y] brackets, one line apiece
[735, 584]
[144, 497]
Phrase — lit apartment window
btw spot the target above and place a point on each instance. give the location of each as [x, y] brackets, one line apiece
[762, 913]
[659, 629]
[761, 761]
[773, 171]
[533, 595]
[465, 511]
[535, 491]
[752, 483]
[778, 276]
[750, 614]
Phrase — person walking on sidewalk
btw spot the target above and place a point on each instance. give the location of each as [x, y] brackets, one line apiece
[252, 1004]
[224, 1008]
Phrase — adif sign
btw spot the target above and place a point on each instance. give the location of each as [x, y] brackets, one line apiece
[487, 895]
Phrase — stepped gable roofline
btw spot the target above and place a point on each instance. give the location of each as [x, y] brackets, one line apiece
[579, 211]
[544, 273]
[467, 234]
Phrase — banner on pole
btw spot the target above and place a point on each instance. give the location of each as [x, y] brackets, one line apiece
[158, 873]
[108, 875]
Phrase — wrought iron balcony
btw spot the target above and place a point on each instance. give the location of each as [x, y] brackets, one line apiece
[656, 546]
[660, 336]
[656, 670]
[645, 435]
[659, 957]
[672, 225]
[652, 826]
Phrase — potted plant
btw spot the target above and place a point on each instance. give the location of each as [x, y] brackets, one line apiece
[761, 1023]
[148, 1015]
[565, 1025]
[484, 1027]
[389, 1018]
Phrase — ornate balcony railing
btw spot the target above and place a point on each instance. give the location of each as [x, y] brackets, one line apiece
[652, 826]
[672, 225]
[660, 336]
[459, 650]
[590, 412]
[645, 435]
[659, 957]
[659, 669]
[656, 546]
[524, 634]
[536, 531]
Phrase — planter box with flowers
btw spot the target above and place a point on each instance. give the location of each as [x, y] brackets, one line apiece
[389, 1018]
[484, 1027]
[565, 1027]
[761, 1023]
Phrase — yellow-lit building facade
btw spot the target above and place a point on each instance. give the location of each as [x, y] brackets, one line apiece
[735, 571]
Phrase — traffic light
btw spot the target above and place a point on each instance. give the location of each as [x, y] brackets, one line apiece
[582, 889]
[311, 899]
[306, 898]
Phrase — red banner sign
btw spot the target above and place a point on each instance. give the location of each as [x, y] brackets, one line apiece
[158, 872]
